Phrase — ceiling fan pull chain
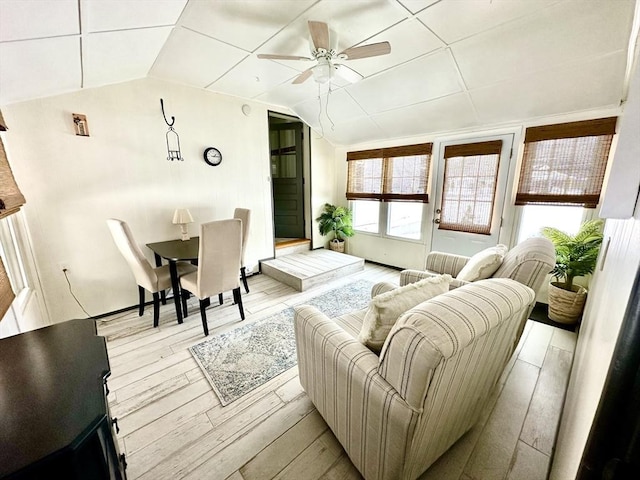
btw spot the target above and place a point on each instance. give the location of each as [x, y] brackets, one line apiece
[333, 125]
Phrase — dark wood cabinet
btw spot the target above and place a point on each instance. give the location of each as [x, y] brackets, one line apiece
[54, 415]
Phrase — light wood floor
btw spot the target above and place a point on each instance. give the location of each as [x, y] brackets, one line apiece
[172, 425]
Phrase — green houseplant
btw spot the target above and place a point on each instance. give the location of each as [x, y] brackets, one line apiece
[576, 256]
[338, 220]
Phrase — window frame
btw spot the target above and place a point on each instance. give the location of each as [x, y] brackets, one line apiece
[385, 197]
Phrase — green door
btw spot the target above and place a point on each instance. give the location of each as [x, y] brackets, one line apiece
[285, 143]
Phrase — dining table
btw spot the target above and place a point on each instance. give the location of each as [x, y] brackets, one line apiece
[175, 251]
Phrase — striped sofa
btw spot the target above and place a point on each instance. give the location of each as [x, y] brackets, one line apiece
[529, 262]
[397, 413]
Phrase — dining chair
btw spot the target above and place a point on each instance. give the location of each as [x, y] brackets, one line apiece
[153, 279]
[219, 256]
[243, 214]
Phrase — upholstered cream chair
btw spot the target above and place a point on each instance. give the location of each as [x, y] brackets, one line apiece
[244, 215]
[529, 262]
[156, 279]
[218, 265]
[397, 413]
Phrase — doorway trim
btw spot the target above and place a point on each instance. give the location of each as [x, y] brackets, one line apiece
[306, 175]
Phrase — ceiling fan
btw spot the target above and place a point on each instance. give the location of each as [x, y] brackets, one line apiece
[327, 58]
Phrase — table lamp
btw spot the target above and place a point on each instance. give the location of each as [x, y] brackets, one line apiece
[182, 217]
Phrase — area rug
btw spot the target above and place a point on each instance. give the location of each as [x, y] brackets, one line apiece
[242, 359]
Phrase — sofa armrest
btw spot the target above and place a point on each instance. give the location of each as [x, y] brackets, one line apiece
[441, 262]
[382, 287]
[340, 376]
[413, 276]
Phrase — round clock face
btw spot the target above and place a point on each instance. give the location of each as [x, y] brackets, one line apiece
[212, 156]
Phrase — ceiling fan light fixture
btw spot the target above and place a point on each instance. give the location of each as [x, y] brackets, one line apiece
[322, 71]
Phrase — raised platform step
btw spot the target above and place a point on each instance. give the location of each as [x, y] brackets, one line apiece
[292, 245]
[306, 269]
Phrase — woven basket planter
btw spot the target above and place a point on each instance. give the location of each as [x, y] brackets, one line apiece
[565, 306]
[337, 246]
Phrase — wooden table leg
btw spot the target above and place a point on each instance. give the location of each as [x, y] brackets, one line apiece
[159, 264]
[175, 285]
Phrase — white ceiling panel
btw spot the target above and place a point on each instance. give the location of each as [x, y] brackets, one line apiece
[572, 88]
[443, 114]
[460, 19]
[24, 19]
[351, 132]
[415, 6]
[194, 59]
[563, 33]
[105, 15]
[262, 19]
[39, 68]
[253, 77]
[113, 57]
[423, 79]
[409, 39]
[287, 94]
[337, 107]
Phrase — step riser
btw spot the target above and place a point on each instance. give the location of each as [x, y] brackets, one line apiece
[281, 252]
[303, 271]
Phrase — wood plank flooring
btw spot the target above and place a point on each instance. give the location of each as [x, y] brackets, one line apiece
[172, 425]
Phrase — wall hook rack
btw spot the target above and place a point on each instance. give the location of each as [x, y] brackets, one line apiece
[173, 140]
[173, 119]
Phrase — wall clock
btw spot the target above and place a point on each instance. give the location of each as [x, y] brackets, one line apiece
[212, 156]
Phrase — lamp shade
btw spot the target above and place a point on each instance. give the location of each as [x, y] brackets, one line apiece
[182, 216]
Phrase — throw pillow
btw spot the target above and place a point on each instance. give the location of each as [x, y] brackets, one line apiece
[384, 309]
[483, 264]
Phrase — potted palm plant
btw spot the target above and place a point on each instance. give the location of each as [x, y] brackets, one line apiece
[576, 256]
[336, 220]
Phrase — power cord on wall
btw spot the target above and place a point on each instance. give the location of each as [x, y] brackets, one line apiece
[65, 270]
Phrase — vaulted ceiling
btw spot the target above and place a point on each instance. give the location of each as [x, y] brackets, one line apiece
[454, 64]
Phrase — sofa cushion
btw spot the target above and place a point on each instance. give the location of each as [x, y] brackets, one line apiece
[483, 264]
[384, 309]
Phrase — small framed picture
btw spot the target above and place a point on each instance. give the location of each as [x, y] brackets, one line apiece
[80, 124]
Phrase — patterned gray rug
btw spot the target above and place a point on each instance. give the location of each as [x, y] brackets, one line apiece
[242, 359]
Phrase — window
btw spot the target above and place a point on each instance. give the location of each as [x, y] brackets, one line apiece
[388, 186]
[564, 164]
[534, 217]
[470, 180]
[11, 200]
[366, 215]
[405, 220]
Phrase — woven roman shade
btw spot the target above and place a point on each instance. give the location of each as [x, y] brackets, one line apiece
[3, 124]
[564, 164]
[6, 293]
[470, 180]
[384, 174]
[11, 198]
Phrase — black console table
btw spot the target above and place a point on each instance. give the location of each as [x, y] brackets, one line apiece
[54, 416]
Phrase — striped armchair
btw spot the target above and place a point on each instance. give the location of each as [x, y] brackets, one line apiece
[529, 262]
[397, 413]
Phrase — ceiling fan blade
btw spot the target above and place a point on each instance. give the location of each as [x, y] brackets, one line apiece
[319, 34]
[365, 51]
[347, 73]
[303, 76]
[270, 56]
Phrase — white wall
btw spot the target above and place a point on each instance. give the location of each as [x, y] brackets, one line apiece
[606, 302]
[323, 188]
[73, 184]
